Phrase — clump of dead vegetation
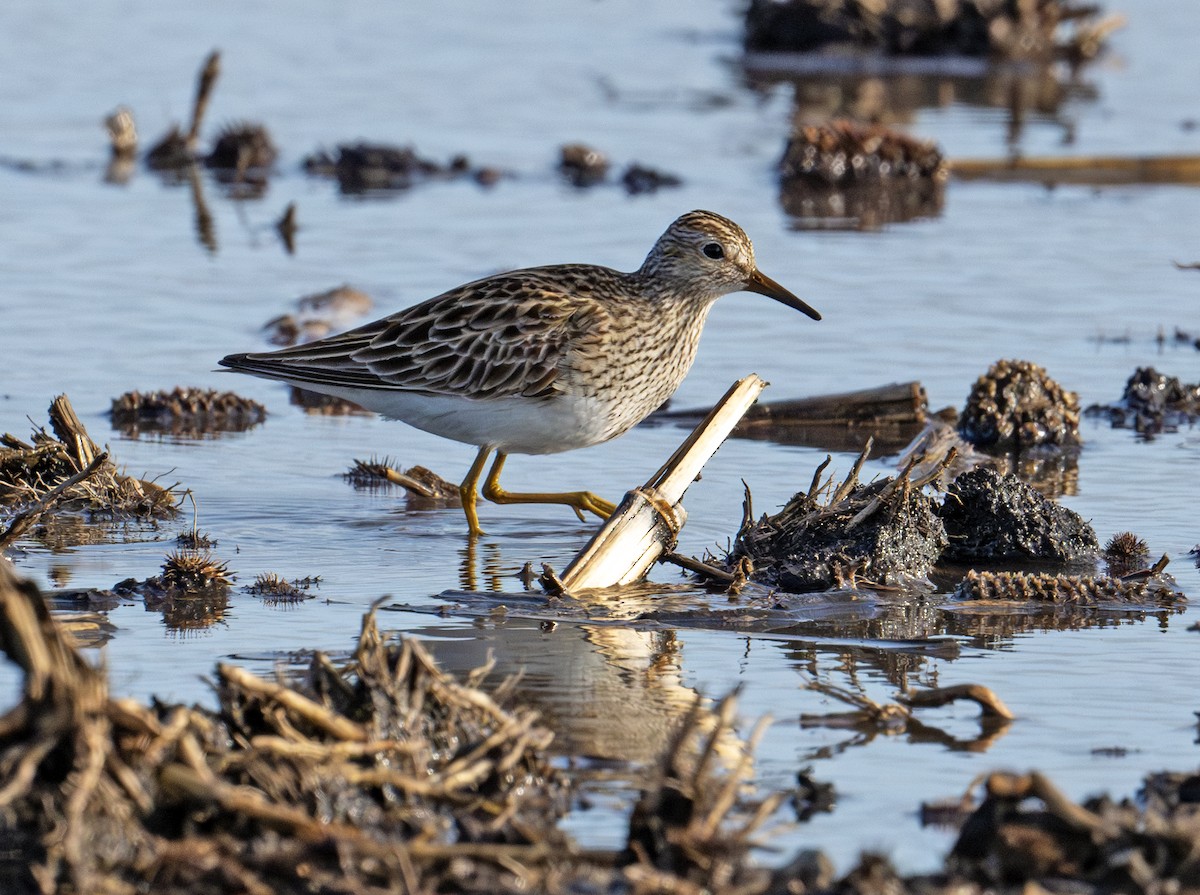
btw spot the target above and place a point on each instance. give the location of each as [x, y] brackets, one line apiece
[833, 535]
[424, 488]
[64, 471]
[186, 412]
[1147, 588]
[383, 774]
[1041, 31]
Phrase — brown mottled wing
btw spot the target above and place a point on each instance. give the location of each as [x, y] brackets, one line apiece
[500, 336]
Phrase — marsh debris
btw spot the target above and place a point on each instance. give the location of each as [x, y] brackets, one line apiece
[993, 517]
[1124, 553]
[380, 774]
[191, 591]
[866, 175]
[1150, 589]
[66, 472]
[1152, 403]
[377, 167]
[890, 415]
[176, 150]
[1016, 406]
[581, 165]
[1044, 31]
[242, 149]
[318, 315]
[886, 532]
[184, 412]
[275, 589]
[423, 487]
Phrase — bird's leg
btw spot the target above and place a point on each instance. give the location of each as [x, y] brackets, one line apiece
[469, 492]
[577, 500]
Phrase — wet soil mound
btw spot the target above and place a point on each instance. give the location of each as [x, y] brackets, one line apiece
[887, 532]
[1152, 403]
[185, 412]
[989, 516]
[1016, 406]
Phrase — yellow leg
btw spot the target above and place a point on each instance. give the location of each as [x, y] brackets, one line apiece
[577, 500]
[469, 493]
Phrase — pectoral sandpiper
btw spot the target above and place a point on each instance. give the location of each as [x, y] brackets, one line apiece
[540, 360]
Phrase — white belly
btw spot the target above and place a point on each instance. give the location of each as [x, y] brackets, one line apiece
[513, 425]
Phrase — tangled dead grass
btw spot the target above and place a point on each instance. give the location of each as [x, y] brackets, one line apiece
[65, 471]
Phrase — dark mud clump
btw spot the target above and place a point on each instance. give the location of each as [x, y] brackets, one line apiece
[887, 532]
[1152, 403]
[1016, 406]
[638, 179]
[1033, 32]
[368, 167]
[582, 166]
[186, 412]
[994, 517]
[867, 174]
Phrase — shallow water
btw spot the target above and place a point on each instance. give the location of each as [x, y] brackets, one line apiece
[106, 288]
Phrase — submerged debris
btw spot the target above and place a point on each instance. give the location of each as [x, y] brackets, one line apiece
[1016, 406]
[192, 591]
[990, 516]
[1152, 403]
[1032, 31]
[887, 532]
[186, 412]
[277, 589]
[638, 179]
[869, 174]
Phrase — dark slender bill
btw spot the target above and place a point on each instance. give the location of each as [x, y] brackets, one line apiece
[764, 285]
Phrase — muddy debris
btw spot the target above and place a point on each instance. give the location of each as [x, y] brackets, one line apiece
[176, 150]
[1016, 406]
[375, 167]
[191, 591]
[184, 412]
[993, 517]
[242, 149]
[583, 166]
[1044, 31]
[287, 227]
[381, 774]
[424, 489]
[1152, 403]
[885, 533]
[1151, 589]
[865, 175]
[318, 315]
[65, 472]
[277, 590]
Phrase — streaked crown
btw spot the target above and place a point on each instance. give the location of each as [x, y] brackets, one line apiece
[703, 254]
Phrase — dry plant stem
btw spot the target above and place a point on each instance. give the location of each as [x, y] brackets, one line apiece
[815, 487]
[1036, 785]
[24, 520]
[316, 714]
[852, 479]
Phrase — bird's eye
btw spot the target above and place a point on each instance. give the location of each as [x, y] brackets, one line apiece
[714, 250]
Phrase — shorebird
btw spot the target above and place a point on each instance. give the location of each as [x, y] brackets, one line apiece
[539, 360]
